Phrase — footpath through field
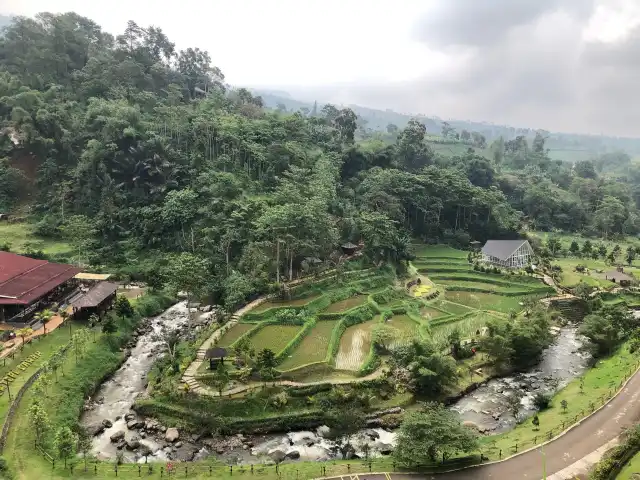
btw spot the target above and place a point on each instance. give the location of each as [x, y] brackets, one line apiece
[563, 456]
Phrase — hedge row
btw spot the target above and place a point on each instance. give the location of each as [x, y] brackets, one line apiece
[295, 341]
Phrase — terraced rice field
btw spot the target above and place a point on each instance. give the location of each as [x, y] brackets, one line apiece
[451, 308]
[492, 287]
[485, 301]
[468, 327]
[355, 345]
[431, 313]
[407, 327]
[313, 347]
[347, 304]
[274, 337]
[290, 303]
[234, 333]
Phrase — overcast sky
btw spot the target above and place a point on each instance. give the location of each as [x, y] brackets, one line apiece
[568, 65]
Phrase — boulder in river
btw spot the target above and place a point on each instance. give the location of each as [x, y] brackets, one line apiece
[129, 416]
[133, 424]
[107, 423]
[132, 443]
[323, 431]
[116, 437]
[293, 454]
[172, 435]
[277, 456]
[95, 429]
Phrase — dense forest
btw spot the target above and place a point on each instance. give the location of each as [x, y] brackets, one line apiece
[145, 158]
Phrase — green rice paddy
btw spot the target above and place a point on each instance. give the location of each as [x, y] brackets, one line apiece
[274, 337]
[234, 333]
[313, 347]
[344, 305]
[299, 302]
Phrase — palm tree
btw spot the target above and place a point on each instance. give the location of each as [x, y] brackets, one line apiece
[44, 316]
[65, 316]
[23, 333]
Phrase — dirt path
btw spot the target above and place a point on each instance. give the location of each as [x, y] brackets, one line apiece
[575, 447]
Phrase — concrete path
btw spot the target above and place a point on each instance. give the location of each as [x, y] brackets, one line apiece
[574, 451]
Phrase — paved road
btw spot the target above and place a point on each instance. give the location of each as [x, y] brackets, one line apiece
[602, 427]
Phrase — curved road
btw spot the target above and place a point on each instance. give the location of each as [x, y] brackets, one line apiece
[583, 439]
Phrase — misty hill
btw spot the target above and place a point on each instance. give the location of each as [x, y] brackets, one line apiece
[562, 146]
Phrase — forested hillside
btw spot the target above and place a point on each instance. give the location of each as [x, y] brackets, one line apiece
[144, 158]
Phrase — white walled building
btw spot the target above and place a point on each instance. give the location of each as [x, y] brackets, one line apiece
[507, 253]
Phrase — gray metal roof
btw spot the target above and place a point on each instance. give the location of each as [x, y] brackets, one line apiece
[617, 276]
[502, 249]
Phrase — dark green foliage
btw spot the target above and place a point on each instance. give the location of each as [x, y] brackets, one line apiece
[429, 372]
[518, 343]
[607, 327]
[542, 401]
[429, 434]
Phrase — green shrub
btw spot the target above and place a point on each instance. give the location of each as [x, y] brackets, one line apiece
[542, 401]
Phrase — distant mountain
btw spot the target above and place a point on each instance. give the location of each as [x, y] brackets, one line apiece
[562, 146]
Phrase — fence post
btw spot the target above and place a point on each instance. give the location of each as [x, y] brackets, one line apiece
[500, 453]
[95, 469]
[186, 471]
[139, 471]
[161, 471]
[116, 468]
[550, 433]
[516, 448]
[348, 467]
[535, 439]
[211, 470]
[231, 469]
[252, 469]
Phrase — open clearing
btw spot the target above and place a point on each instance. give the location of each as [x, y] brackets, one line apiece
[274, 337]
[20, 236]
[347, 304]
[234, 333]
[313, 347]
[355, 345]
[290, 303]
[485, 301]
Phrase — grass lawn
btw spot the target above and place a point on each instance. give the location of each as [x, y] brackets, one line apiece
[438, 251]
[347, 304]
[46, 346]
[631, 470]
[274, 337]
[21, 237]
[313, 347]
[601, 380]
[291, 303]
[234, 333]
[355, 344]
[485, 301]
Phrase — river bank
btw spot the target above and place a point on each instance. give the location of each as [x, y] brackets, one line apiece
[136, 437]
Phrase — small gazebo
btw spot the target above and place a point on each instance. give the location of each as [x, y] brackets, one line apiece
[215, 355]
[349, 248]
[475, 245]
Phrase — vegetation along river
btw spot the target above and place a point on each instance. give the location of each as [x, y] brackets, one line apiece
[487, 407]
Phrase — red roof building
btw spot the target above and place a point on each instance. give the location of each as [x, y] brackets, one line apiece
[24, 280]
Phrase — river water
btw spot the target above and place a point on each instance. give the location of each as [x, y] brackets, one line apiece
[116, 395]
[486, 407]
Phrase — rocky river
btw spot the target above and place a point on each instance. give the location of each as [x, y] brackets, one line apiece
[120, 432]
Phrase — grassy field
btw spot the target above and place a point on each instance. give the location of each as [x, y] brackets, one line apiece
[438, 251]
[355, 344]
[347, 304]
[20, 236]
[571, 278]
[631, 470]
[599, 381]
[234, 333]
[274, 337]
[290, 303]
[313, 347]
[485, 301]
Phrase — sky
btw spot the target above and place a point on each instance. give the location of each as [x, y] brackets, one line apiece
[562, 65]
